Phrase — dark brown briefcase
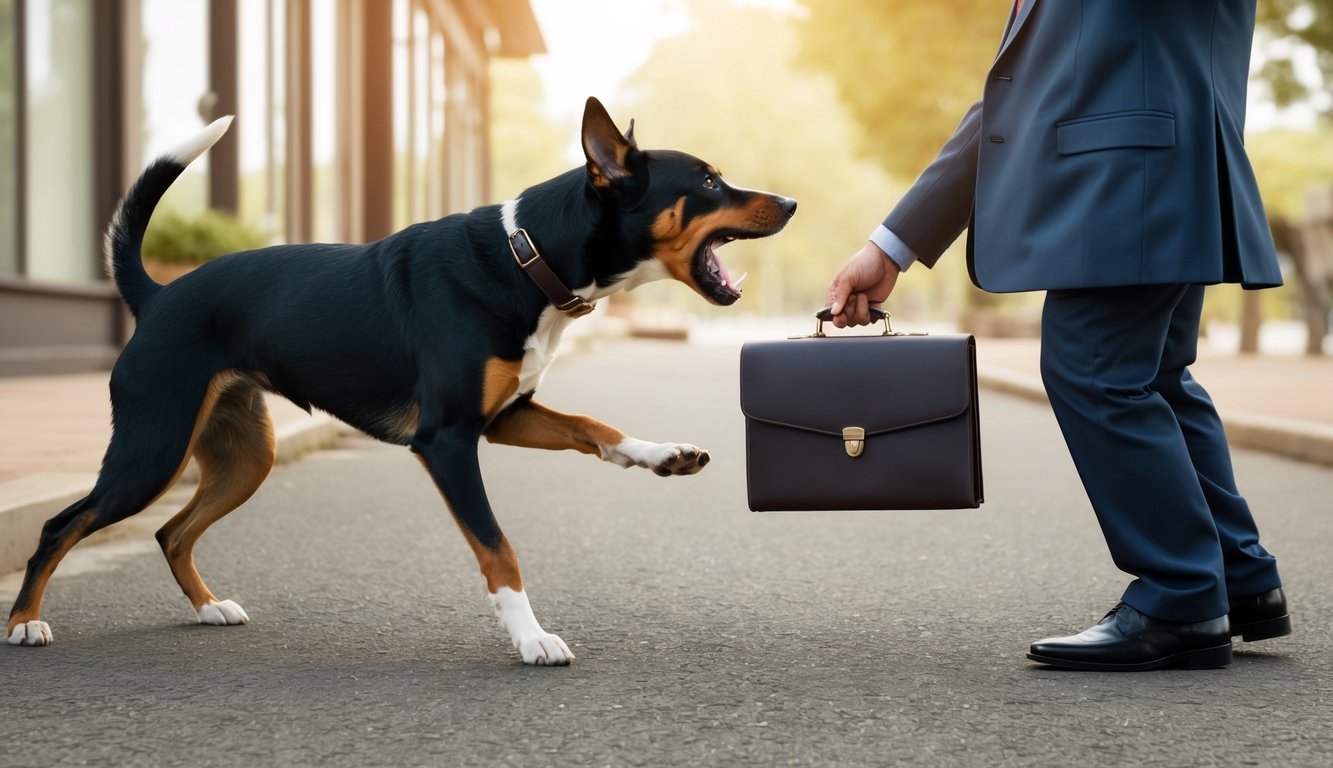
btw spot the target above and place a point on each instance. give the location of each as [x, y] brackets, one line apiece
[861, 422]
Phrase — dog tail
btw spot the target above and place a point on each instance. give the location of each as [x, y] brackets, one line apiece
[124, 236]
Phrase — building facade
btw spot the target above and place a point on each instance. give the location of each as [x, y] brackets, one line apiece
[353, 118]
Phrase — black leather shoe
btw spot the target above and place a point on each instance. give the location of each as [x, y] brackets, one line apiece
[1260, 617]
[1128, 641]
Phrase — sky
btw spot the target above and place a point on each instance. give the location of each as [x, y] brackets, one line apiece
[595, 45]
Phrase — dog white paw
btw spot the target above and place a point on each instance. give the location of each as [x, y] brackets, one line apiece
[665, 459]
[545, 650]
[534, 644]
[31, 633]
[224, 613]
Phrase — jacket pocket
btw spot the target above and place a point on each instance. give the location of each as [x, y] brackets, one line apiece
[1115, 130]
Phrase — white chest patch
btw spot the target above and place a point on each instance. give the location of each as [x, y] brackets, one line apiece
[540, 349]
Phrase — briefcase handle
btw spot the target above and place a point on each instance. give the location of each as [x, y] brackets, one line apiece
[825, 315]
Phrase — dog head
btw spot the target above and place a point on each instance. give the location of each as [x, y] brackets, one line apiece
[677, 209]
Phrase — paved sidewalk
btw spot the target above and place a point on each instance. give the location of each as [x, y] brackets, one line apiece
[53, 429]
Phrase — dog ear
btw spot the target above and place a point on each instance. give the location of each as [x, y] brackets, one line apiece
[607, 151]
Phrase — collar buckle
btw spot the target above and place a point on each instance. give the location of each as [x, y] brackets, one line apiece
[530, 261]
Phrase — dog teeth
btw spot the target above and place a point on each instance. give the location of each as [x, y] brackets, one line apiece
[740, 280]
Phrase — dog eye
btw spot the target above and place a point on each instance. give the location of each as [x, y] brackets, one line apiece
[710, 183]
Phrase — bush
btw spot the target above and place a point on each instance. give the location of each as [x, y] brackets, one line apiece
[177, 239]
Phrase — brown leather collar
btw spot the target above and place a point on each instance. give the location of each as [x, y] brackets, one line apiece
[525, 253]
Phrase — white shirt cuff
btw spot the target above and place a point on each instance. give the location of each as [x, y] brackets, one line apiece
[897, 250]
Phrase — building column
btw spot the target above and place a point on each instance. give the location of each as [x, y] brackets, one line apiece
[299, 178]
[377, 117]
[225, 156]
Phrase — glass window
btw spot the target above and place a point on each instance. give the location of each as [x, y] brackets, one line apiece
[402, 144]
[176, 95]
[9, 245]
[324, 119]
[439, 168]
[419, 166]
[414, 117]
[260, 118]
[61, 232]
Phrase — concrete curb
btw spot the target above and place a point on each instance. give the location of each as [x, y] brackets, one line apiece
[27, 503]
[1288, 438]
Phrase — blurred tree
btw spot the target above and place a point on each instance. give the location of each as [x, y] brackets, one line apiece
[526, 146]
[889, 60]
[1302, 23]
[729, 90]
[906, 69]
[1288, 164]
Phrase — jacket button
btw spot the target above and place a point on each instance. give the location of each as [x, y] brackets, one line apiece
[997, 139]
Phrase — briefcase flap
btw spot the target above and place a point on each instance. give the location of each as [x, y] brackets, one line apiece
[880, 384]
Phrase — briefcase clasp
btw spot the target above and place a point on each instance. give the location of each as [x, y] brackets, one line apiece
[854, 440]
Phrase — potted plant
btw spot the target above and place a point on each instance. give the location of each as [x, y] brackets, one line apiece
[175, 244]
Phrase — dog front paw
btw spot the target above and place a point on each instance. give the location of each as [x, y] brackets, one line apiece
[545, 650]
[30, 633]
[223, 614]
[665, 459]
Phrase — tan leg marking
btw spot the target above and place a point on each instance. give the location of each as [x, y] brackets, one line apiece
[537, 426]
[498, 565]
[236, 451]
[33, 610]
[500, 384]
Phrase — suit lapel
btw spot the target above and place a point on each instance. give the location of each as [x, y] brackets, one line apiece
[1015, 26]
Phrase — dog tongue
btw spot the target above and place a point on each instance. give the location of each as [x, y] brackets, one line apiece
[723, 273]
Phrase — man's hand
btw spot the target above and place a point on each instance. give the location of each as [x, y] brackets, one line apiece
[866, 279]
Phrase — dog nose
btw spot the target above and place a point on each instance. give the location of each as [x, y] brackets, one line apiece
[787, 204]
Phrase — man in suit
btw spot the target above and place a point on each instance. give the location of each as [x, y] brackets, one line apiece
[1104, 164]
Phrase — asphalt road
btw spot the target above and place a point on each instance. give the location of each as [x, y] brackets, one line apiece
[705, 634]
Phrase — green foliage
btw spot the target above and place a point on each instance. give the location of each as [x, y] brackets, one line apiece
[526, 147]
[178, 239]
[1288, 164]
[1303, 23]
[907, 70]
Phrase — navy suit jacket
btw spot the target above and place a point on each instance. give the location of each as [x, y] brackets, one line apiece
[1107, 150]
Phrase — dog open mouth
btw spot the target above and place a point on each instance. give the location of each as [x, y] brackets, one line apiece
[711, 275]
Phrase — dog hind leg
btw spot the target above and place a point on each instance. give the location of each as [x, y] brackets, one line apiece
[235, 450]
[451, 460]
[154, 428]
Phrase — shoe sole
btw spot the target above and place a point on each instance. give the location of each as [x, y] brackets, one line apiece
[1201, 658]
[1263, 630]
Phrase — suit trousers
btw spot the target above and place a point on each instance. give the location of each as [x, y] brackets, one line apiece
[1149, 448]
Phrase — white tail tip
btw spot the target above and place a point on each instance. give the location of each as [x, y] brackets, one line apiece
[187, 152]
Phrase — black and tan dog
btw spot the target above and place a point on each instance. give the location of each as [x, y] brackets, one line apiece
[430, 338]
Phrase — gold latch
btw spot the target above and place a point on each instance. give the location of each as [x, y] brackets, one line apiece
[854, 440]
